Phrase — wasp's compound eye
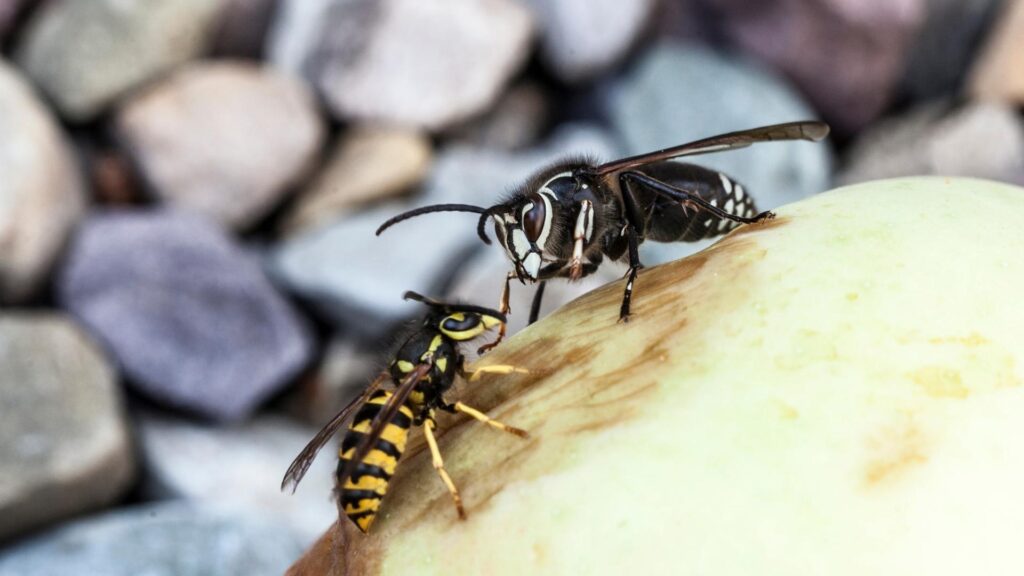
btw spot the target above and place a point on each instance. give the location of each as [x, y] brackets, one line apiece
[533, 218]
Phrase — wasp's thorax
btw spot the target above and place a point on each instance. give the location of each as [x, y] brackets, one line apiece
[555, 216]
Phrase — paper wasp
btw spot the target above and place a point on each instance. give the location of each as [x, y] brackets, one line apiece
[567, 218]
[423, 369]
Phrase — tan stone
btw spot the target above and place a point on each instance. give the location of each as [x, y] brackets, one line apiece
[998, 72]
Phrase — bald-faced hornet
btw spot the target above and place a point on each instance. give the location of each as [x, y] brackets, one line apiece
[567, 218]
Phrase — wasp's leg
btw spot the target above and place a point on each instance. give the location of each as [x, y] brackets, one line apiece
[494, 369]
[470, 411]
[435, 454]
[504, 308]
[689, 198]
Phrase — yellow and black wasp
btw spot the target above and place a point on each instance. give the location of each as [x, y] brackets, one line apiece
[423, 369]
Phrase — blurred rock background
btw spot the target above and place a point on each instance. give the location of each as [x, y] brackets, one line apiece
[188, 191]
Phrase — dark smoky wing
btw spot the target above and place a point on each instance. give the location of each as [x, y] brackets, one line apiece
[383, 417]
[805, 130]
[304, 460]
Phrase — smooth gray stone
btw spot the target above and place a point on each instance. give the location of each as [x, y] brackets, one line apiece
[239, 468]
[84, 55]
[64, 443]
[189, 316]
[173, 539]
[41, 192]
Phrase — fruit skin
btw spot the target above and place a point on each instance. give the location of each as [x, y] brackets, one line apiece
[837, 391]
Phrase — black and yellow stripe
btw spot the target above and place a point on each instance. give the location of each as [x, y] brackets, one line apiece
[361, 494]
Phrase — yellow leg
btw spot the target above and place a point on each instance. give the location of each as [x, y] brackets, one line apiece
[496, 369]
[435, 453]
[460, 407]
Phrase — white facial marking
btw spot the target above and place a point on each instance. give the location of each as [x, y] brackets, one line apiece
[548, 216]
[532, 264]
[739, 192]
[520, 243]
[729, 205]
[545, 188]
[726, 183]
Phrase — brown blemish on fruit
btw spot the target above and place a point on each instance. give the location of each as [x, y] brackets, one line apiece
[940, 382]
[895, 451]
[973, 340]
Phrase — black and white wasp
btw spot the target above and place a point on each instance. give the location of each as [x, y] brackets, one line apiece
[567, 218]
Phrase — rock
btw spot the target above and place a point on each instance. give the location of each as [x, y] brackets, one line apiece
[357, 280]
[981, 140]
[426, 64]
[945, 45]
[84, 55]
[847, 375]
[366, 164]
[239, 469]
[847, 57]
[582, 38]
[242, 28]
[998, 72]
[64, 443]
[188, 315]
[9, 11]
[678, 93]
[348, 365]
[157, 540]
[226, 140]
[518, 120]
[41, 194]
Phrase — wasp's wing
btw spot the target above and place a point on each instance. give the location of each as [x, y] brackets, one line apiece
[381, 420]
[305, 458]
[805, 130]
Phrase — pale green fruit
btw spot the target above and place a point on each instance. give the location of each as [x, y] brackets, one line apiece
[837, 391]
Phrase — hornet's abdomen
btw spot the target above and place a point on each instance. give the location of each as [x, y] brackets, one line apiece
[670, 222]
[361, 494]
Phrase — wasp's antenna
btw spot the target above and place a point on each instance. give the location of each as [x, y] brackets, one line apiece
[481, 224]
[438, 208]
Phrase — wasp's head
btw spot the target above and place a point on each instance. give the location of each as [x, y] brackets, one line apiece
[529, 226]
[460, 322]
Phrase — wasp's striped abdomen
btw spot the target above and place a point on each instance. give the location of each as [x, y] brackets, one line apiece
[361, 494]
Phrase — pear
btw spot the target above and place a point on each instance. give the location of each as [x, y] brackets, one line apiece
[835, 391]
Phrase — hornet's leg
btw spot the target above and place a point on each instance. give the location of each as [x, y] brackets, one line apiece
[435, 453]
[538, 296]
[460, 407]
[634, 268]
[504, 308]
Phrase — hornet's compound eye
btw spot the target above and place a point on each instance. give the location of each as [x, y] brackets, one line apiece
[533, 217]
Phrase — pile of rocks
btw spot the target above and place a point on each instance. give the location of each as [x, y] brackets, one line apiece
[188, 272]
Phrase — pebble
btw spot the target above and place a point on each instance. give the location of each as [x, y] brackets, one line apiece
[64, 442]
[41, 191]
[242, 28]
[945, 46]
[226, 140]
[357, 280]
[517, 121]
[366, 164]
[983, 140]
[239, 469]
[9, 11]
[171, 539]
[408, 62]
[681, 92]
[84, 55]
[998, 72]
[847, 57]
[583, 38]
[187, 313]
